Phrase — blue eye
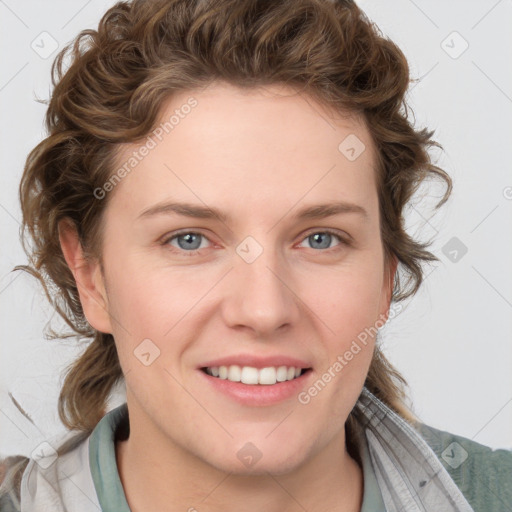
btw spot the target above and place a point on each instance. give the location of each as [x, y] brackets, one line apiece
[324, 239]
[189, 242]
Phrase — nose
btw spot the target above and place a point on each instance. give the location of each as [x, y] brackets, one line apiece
[260, 296]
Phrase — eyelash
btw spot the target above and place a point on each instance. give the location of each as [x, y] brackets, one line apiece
[343, 241]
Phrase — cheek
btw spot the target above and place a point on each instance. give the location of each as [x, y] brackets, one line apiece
[159, 304]
[348, 309]
[141, 304]
[346, 302]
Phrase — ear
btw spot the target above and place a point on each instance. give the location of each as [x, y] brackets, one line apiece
[387, 286]
[88, 278]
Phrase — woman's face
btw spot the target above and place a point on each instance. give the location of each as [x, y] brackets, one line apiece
[265, 285]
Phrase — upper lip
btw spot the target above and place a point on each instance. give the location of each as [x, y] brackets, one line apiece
[257, 361]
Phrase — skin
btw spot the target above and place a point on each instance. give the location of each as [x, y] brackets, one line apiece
[260, 155]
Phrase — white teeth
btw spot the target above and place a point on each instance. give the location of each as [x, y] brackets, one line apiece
[282, 374]
[249, 375]
[252, 376]
[234, 373]
[267, 376]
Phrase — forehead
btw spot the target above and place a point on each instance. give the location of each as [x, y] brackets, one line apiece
[262, 112]
[251, 147]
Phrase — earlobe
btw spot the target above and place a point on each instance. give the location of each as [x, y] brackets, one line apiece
[88, 278]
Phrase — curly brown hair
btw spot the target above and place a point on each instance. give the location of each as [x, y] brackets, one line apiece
[111, 90]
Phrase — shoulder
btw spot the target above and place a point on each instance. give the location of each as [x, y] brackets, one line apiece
[40, 480]
[21, 477]
[11, 471]
[483, 474]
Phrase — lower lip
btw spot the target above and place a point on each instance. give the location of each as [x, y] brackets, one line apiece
[259, 394]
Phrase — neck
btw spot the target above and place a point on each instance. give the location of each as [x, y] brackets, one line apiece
[159, 475]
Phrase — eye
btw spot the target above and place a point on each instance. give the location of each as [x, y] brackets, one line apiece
[187, 241]
[190, 242]
[323, 239]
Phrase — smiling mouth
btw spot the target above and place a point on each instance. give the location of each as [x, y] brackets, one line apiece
[255, 376]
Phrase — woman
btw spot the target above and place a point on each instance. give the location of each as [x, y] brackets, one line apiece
[219, 204]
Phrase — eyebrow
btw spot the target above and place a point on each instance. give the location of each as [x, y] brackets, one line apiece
[318, 211]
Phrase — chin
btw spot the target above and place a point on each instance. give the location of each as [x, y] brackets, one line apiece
[248, 460]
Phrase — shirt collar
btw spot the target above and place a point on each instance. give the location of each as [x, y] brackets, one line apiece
[102, 461]
[409, 474]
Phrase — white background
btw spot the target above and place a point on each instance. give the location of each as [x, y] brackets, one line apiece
[453, 342]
